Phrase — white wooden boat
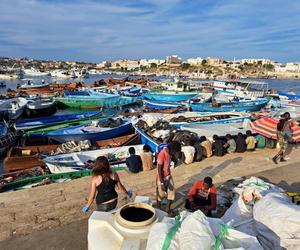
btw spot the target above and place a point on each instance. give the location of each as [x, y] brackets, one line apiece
[209, 130]
[80, 161]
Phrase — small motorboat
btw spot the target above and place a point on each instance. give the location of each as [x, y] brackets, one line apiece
[13, 108]
[40, 107]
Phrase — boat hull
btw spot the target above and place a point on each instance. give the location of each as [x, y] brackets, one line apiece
[16, 160]
[161, 105]
[176, 97]
[76, 161]
[55, 120]
[248, 106]
[97, 103]
[92, 137]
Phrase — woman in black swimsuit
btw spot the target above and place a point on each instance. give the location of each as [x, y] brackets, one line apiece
[104, 181]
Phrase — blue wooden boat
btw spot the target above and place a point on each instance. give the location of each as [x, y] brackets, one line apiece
[92, 131]
[161, 105]
[192, 118]
[250, 106]
[290, 96]
[133, 91]
[169, 96]
[147, 139]
[55, 119]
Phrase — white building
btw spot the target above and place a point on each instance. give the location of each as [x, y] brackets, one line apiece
[174, 59]
[292, 67]
[254, 60]
[148, 62]
[195, 61]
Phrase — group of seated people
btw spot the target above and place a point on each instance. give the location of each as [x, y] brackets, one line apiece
[195, 151]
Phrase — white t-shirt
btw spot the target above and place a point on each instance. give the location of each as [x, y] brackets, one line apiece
[189, 153]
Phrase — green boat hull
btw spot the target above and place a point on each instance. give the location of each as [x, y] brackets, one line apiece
[20, 184]
[45, 129]
[97, 103]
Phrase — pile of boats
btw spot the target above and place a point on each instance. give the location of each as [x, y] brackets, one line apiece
[66, 145]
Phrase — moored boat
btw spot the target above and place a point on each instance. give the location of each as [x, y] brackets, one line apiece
[93, 131]
[41, 107]
[13, 108]
[8, 137]
[170, 96]
[251, 106]
[221, 130]
[161, 104]
[83, 160]
[35, 72]
[35, 123]
[177, 121]
[31, 156]
[91, 99]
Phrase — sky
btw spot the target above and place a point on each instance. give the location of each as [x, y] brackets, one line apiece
[96, 30]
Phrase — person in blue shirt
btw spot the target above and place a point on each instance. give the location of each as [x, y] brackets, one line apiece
[134, 162]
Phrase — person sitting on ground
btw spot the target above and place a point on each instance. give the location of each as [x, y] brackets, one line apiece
[203, 196]
[164, 181]
[199, 151]
[104, 183]
[241, 145]
[230, 145]
[217, 146]
[207, 147]
[189, 152]
[147, 158]
[133, 162]
[250, 141]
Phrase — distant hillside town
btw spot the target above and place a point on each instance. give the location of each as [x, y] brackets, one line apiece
[173, 65]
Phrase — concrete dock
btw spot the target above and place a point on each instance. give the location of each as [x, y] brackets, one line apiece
[50, 217]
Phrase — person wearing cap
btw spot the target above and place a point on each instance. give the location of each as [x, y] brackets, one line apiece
[203, 196]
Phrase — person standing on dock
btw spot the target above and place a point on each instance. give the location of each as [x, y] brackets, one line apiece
[164, 181]
[284, 135]
[104, 182]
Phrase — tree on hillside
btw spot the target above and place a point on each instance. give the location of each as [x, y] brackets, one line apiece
[268, 66]
[185, 66]
[153, 65]
[204, 62]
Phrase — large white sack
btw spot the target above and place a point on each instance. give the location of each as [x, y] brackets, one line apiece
[189, 153]
[151, 119]
[259, 185]
[234, 239]
[195, 233]
[158, 234]
[240, 216]
[277, 221]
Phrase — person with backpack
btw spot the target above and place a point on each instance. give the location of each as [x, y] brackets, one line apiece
[284, 135]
